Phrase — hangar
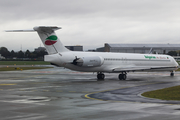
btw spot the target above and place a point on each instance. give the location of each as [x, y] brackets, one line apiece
[75, 48]
[141, 48]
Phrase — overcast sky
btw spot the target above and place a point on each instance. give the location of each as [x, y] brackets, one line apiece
[91, 23]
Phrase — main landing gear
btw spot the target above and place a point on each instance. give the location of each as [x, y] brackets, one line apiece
[122, 76]
[100, 76]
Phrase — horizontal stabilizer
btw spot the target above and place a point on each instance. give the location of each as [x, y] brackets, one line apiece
[48, 29]
[30, 30]
[48, 36]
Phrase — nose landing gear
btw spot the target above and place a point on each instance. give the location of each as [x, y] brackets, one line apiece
[172, 74]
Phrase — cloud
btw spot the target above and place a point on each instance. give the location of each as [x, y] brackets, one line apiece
[91, 23]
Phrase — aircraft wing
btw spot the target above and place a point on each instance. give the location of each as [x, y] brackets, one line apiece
[142, 68]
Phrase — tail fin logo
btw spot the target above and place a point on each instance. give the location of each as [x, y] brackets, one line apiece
[51, 40]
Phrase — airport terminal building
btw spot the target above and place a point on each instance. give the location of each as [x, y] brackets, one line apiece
[75, 48]
[140, 48]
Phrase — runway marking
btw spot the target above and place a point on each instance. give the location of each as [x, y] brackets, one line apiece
[40, 90]
[6, 84]
[87, 95]
[72, 91]
[22, 90]
[59, 91]
[34, 90]
[26, 77]
[45, 90]
[85, 91]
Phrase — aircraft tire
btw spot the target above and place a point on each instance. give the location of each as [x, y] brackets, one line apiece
[100, 76]
[172, 74]
[122, 76]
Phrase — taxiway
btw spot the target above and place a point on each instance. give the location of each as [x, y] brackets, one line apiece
[61, 94]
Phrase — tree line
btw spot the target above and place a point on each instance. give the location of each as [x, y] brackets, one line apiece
[174, 53]
[20, 55]
[39, 55]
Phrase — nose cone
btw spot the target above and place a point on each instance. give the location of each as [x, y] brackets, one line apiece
[175, 63]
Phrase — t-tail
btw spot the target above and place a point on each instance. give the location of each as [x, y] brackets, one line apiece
[49, 38]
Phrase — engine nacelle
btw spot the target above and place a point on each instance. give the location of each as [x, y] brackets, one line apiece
[93, 61]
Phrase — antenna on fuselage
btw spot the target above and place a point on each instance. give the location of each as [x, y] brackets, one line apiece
[150, 51]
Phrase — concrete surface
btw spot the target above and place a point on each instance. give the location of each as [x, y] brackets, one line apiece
[61, 94]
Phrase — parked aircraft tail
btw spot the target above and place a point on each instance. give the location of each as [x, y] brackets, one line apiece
[49, 38]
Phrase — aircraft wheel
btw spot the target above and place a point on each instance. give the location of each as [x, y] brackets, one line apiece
[100, 76]
[172, 74]
[122, 76]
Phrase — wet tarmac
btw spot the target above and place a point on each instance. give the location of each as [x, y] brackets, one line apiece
[61, 94]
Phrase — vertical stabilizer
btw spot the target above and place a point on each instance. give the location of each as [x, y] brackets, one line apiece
[50, 40]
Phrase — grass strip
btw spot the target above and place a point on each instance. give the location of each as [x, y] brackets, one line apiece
[172, 93]
[21, 68]
[178, 69]
[24, 63]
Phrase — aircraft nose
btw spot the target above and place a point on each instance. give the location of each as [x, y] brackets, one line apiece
[177, 65]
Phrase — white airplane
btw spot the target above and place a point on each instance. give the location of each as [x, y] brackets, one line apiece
[100, 62]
